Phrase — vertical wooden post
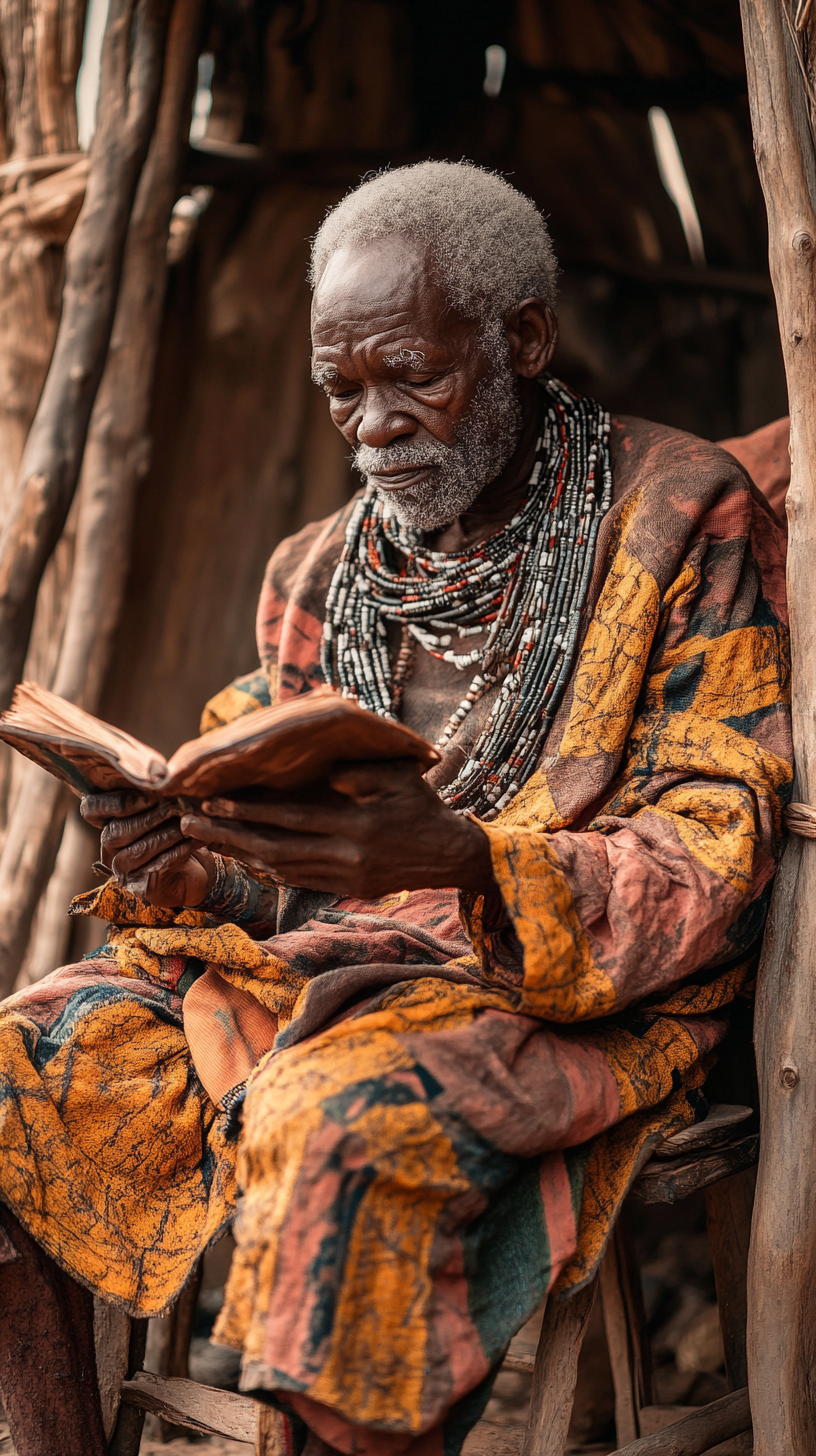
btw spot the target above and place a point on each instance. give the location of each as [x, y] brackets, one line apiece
[626, 1338]
[782, 1267]
[116, 457]
[556, 1372]
[132, 60]
[729, 1207]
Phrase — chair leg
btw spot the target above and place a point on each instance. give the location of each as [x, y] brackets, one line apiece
[729, 1208]
[556, 1371]
[112, 1344]
[127, 1435]
[626, 1337]
[168, 1342]
[271, 1433]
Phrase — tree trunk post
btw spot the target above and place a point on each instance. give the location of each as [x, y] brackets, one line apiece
[782, 1266]
[129, 93]
[115, 460]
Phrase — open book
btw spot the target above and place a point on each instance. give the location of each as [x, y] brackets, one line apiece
[284, 747]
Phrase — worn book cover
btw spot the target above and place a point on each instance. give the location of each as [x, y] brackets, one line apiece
[284, 747]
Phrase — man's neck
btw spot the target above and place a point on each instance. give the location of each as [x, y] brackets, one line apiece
[500, 501]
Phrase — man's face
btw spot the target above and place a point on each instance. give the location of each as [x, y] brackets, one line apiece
[430, 417]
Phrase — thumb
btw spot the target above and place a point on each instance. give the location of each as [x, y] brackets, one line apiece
[366, 781]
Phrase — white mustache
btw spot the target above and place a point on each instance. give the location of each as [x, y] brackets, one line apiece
[370, 459]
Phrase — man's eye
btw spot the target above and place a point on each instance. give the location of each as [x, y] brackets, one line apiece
[336, 391]
[424, 383]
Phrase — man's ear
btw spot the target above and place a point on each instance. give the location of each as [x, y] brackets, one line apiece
[532, 334]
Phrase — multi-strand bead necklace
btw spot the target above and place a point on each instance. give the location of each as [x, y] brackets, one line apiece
[524, 588]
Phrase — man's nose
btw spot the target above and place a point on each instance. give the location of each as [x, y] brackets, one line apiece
[382, 421]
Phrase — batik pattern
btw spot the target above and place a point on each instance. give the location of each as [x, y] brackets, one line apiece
[461, 1088]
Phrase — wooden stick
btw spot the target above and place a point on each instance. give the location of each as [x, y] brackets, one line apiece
[626, 1339]
[699, 1431]
[112, 1329]
[49, 471]
[127, 1435]
[117, 454]
[38, 166]
[556, 1371]
[38, 83]
[729, 1205]
[270, 1435]
[116, 458]
[168, 1341]
[200, 1408]
[29, 854]
[782, 1265]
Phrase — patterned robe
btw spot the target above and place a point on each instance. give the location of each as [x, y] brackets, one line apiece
[462, 1088]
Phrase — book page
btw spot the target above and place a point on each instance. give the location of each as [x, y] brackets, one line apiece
[86, 753]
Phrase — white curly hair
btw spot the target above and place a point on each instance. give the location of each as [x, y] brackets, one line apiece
[488, 244]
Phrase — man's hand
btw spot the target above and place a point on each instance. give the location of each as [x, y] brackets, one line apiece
[376, 828]
[143, 845]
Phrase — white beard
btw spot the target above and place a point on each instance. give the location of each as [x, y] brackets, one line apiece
[486, 438]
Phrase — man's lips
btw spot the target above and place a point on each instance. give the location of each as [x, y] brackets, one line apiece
[399, 479]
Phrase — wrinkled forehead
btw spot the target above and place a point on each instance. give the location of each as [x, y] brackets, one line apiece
[384, 292]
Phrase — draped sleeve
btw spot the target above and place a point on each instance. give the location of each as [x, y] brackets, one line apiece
[637, 861]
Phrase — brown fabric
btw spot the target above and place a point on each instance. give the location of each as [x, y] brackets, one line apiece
[764, 454]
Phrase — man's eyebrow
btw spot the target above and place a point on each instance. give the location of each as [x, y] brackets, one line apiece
[324, 373]
[405, 359]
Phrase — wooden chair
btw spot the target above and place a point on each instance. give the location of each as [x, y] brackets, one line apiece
[716, 1156]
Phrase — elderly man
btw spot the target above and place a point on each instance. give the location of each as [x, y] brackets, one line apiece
[426, 1067]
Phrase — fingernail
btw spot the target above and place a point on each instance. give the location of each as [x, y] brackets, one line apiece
[215, 806]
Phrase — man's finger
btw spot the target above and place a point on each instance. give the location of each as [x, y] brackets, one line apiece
[116, 833]
[146, 880]
[312, 817]
[97, 809]
[174, 854]
[264, 848]
[130, 857]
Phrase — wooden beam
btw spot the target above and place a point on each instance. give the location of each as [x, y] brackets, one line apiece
[49, 471]
[127, 1435]
[168, 1341]
[782, 1267]
[626, 1338]
[698, 1432]
[520, 1356]
[729, 1205]
[556, 1371]
[112, 1328]
[664, 1182]
[200, 1408]
[39, 91]
[271, 1437]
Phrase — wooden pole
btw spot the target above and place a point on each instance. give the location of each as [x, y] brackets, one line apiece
[116, 459]
[782, 1267]
[39, 83]
[117, 453]
[699, 1432]
[49, 471]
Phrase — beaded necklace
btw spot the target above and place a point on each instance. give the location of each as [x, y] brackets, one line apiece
[525, 586]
